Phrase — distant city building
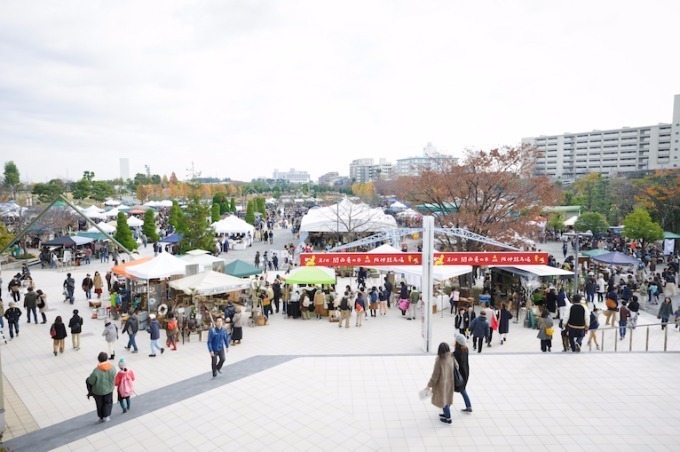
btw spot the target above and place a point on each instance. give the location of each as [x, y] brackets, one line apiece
[366, 170]
[329, 178]
[611, 152]
[432, 159]
[292, 176]
[124, 169]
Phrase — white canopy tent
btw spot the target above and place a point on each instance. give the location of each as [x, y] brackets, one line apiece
[105, 226]
[571, 221]
[408, 213]
[537, 270]
[91, 210]
[134, 222]
[112, 202]
[112, 213]
[162, 266]
[204, 259]
[345, 217]
[233, 225]
[209, 283]
[398, 206]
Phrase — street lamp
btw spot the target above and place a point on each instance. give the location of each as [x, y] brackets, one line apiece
[577, 235]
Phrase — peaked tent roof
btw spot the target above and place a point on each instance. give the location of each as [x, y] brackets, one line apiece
[616, 258]
[311, 275]
[233, 225]
[162, 266]
[670, 235]
[240, 269]
[174, 238]
[204, 260]
[122, 268]
[594, 252]
[209, 283]
[68, 240]
[347, 216]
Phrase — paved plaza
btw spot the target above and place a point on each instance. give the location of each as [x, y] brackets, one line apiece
[309, 385]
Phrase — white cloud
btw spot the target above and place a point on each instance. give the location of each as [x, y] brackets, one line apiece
[241, 88]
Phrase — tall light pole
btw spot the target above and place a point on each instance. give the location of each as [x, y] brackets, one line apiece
[577, 236]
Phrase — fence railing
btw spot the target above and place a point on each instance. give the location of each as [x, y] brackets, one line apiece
[630, 333]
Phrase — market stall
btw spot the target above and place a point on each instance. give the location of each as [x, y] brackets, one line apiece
[240, 233]
[195, 312]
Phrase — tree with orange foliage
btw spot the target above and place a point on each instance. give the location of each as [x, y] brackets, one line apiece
[142, 193]
[490, 193]
[659, 193]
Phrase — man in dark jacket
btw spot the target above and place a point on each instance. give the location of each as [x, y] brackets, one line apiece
[131, 327]
[389, 287]
[218, 345]
[276, 288]
[30, 302]
[154, 330]
[12, 315]
[76, 326]
[551, 302]
[575, 322]
[480, 331]
[590, 289]
[69, 286]
[14, 288]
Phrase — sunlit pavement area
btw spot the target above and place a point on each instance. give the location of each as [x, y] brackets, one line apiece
[309, 385]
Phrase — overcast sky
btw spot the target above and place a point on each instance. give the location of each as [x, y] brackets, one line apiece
[240, 88]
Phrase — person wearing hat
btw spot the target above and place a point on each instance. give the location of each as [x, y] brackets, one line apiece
[154, 330]
[460, 354]
[124, 382]
[100, 384]
[12, 315]
[88, 283]
[480, 330]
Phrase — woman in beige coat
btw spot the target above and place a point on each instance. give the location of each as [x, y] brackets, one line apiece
[319, 300]
[98, 284]
[441, 382]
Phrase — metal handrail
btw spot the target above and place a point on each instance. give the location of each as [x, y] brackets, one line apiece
[631, 330]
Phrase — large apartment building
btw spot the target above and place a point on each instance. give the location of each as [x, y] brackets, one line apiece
[292, 176]
[366, 170]
[612, 152]
[432, 159]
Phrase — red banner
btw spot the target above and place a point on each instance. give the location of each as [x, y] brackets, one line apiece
[481, 258]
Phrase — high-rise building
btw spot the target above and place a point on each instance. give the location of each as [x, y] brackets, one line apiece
[329, 178]
[431, 159]
[292, 176]
[611, 152]
[124, 169]
[366, 170]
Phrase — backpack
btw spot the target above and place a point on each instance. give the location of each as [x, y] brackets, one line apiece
[172, 325]
[344, 304]
[125, 387]
[611, 303]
